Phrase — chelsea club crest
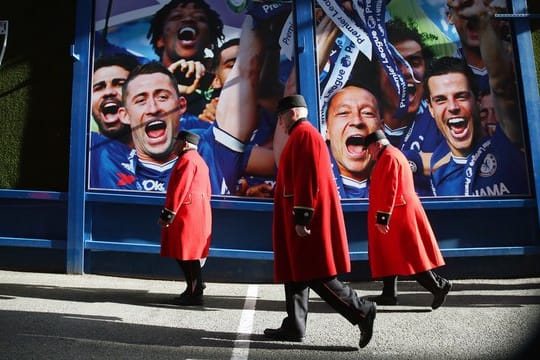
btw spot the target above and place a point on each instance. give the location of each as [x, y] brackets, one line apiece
[489, 166]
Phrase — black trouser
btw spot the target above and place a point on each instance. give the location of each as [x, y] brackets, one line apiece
[430, 280]
[339, 296]
[193, 276]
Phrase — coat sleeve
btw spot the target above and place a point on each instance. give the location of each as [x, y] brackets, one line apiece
[389, 187]
[179, 189]
[306, 184]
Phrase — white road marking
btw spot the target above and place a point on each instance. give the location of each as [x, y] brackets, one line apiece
[241, 345]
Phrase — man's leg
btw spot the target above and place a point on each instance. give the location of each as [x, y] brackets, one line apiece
[389, 292]
[389, 286]
[345, 301]
[187, 275]
[194, 285]
[438, 286]
[293, 327]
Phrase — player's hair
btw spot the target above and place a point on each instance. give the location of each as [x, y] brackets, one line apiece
[152, 67]
[125, 61]
[354, 84]
[397, 31]
[217, 53]
[446, 65]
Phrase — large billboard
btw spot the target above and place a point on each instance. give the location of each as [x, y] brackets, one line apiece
[438, 76]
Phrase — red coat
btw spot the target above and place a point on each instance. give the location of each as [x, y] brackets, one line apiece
[305, 180]
[410, 245]
[188, 194]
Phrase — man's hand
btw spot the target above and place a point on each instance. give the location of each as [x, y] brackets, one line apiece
[193, 71]
[209, 111]
[475, 10]
[163, 223]
[326, 34]
[302, 230]
[261, 190]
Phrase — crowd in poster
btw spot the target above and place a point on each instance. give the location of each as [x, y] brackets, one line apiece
[438, 76]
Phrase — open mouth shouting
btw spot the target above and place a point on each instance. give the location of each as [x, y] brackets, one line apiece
[355, 146]
[459, 127]
[187, 35]
[411, 92]
[411, 89]
[109, 111]
[156, 130]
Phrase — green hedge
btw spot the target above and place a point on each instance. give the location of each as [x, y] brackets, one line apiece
[534, 8]
[35, 95]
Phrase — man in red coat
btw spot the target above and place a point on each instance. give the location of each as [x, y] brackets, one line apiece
[400, 238]
[186, 218]
[310, 242]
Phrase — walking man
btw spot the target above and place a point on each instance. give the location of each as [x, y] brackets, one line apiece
[309, 237]
[400, 238]
[186, 218]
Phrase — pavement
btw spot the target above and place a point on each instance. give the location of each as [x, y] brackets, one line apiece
[60, 316]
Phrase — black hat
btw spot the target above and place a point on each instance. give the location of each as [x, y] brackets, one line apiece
[374, 137]
[189, 137]
[289, 102]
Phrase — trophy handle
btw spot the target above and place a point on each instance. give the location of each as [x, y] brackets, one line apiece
[3, 31]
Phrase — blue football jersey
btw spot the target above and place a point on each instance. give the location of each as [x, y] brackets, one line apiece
[495, 167]
[111, 164]
[348, 188]
[225, 156]
[420, 136]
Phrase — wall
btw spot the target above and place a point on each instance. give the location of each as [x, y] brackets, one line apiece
[120, 236]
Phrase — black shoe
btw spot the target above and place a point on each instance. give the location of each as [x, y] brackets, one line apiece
[186, 299]
[383, 299]
[281, 334]
[440, 296]
[366, 326]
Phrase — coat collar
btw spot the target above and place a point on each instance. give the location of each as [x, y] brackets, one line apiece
[296, 123]
[381, 151]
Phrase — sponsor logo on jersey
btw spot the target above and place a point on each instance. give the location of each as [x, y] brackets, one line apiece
[153, 185]
[494, 190]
